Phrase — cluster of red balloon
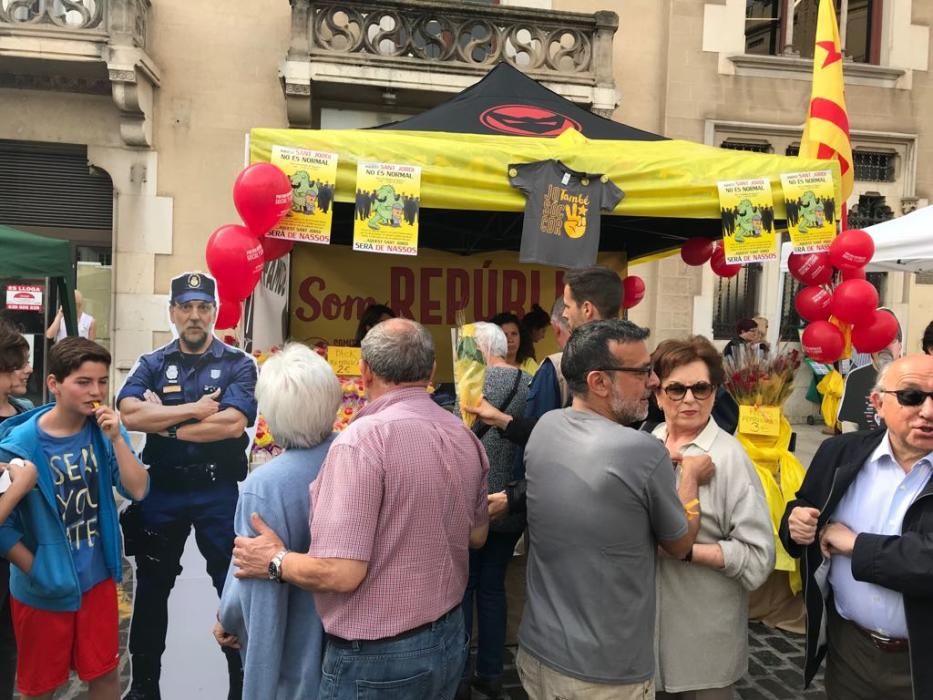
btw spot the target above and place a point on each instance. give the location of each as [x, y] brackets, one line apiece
[235, 254]
[633, 291]
[699, 251]
[846, 312]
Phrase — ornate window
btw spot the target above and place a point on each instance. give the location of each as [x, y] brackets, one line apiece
[751, 145]
[736, 299]
[768, 31]
[874, 166]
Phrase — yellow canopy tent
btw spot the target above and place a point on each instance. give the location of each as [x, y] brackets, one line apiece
[670, 186]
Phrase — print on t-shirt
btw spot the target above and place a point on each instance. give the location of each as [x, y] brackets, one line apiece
[75, 475]
[562, 214]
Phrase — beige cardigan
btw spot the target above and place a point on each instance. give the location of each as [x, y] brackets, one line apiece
[702, 617]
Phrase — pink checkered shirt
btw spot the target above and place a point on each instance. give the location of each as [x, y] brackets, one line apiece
[401, 488]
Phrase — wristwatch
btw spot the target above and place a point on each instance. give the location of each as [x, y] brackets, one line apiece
[275, 566]
[173, 432]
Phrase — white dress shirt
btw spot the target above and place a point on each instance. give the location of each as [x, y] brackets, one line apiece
[876, 503]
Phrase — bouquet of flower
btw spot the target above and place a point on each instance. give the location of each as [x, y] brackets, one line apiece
[469, 369]
[755, 378]
[351, 401]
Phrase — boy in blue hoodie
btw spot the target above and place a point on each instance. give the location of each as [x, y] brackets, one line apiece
[63, 538]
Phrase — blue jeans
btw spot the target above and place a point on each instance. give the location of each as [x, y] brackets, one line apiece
[423, 666]
[486, 587]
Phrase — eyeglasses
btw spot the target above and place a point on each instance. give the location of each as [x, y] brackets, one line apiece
[909, 397]
[700, 391]
[643, 371]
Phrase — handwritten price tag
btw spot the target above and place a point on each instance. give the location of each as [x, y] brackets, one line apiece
[760, 420]
[344, 361]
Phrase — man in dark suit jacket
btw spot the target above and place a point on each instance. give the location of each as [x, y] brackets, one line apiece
[863, 523]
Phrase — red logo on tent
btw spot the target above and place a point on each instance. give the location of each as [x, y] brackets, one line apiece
[526, 120]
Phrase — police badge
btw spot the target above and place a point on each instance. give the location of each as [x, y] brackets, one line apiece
[171, 373]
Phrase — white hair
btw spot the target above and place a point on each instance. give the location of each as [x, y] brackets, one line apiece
[882, 378]
[298, 395]
[490, 339]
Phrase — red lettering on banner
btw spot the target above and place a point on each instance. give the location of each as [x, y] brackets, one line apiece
[535, 289]
[306, 294]
[513, 292]
[429, 306]
[402, 301]
[458, 292]
[559, 282]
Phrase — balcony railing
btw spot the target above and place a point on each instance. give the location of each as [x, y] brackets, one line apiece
[566, 45]
[90, 20]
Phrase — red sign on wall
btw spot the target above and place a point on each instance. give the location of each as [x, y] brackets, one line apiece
[24, 297]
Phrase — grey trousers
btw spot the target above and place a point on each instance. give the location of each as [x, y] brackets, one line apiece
[857, 670]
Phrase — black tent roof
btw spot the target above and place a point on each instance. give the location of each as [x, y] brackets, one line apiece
[506, 101]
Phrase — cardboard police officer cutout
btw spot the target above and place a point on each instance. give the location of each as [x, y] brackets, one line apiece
[194, 399]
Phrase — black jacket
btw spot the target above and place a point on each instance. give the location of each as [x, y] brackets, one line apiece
[902, 563]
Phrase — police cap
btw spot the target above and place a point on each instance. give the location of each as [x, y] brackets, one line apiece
[192, 286]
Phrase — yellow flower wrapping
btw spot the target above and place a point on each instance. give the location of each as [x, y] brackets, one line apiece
[781, 475]
[469, 373]
[830, 386]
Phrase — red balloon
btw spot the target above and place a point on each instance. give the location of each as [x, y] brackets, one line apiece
[813, 303]
[235, 259]
[696, 251]
[851, 250]
[228, 315]
[718, 262]
[854, 300]
[274, 248]
[822, 341]
[633, 291]
[875, 333]
[810, 268]
[262, 195]
[856, 274]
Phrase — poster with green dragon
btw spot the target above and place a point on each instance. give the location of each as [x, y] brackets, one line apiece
[313, 175]
[747, 211]
[812, 219]
[388, 197]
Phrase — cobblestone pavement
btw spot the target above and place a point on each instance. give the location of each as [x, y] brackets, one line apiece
[774, 669]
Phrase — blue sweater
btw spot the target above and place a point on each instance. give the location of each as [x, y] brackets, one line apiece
[280, 633]
[52, 584]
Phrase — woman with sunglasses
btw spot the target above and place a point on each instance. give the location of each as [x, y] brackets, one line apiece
[703, 600]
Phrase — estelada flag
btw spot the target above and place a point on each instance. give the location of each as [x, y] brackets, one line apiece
[826, 133]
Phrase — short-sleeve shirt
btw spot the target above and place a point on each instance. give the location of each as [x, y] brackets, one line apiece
[600, 496]
[401, 488]
[562, 212]
[179, 378]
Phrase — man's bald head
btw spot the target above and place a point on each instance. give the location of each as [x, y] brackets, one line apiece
[910, 427]
[399, 351]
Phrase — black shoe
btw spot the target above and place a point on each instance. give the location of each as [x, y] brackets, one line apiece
[146, 671]
[491, 688]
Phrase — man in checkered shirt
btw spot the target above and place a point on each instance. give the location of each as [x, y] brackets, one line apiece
[398, 502]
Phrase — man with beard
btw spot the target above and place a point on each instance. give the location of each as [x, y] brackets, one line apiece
[601, 499]
[194, 399]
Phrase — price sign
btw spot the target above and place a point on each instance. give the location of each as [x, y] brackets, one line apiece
[760, 420]
[344, 361]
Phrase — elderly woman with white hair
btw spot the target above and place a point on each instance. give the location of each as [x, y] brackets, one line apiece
[276, 626]
[506, 388]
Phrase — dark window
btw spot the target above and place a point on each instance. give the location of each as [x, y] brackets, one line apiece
[793, 150]
[791, 323]
[736, 298]
[762, 27]
[754, 146]
[870, 209]
[858, 29]
[872, 166]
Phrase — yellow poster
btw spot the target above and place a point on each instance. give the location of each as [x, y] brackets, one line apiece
[760, 420]
[810, 200]
[313, 175]
[345, 361]
[331, 286]
[747, 221]
[388, 197]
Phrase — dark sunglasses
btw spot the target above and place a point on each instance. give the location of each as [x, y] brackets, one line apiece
[909, 397]
[643, 371]
[700, 391]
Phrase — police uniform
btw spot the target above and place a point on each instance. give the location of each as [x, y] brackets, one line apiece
[192, 484]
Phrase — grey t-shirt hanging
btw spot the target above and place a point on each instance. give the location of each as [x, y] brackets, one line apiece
[562, 212]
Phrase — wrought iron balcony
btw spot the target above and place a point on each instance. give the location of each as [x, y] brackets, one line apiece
[82, 46]
[392, 44]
